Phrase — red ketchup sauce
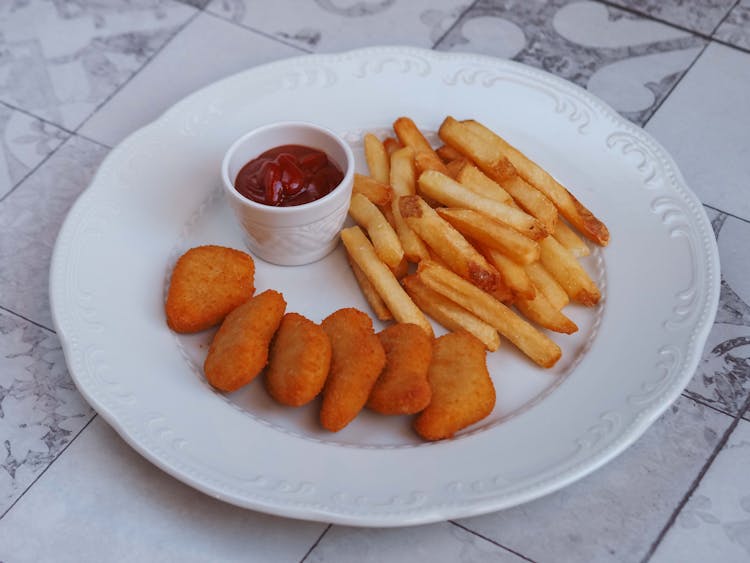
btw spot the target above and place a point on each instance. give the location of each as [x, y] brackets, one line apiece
[288, 175]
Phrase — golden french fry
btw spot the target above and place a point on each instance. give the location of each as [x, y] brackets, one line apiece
[449, 192]
[448, 243]
[495, 165]
[410, 136]
[373, 298]
[376, 192]
[377, 159]
[385, 283]
[513, 274]
[391, 145]
[478, 182]
[570, 240]
[570, 208]
[449, 314]
[529, 340]
[492, 234]
[447, 153]
[568, 272]
[384, 238]
[544, 281]
[455, 166]
[403, 183]
[540, 311]
[401, 269]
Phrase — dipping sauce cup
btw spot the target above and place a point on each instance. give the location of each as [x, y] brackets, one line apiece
[295, 235]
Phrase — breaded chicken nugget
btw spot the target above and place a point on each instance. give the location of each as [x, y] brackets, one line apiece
[299, 362]
[356, 362]
[402, 387]
[207, 283]
[239, 350]
[462, 391]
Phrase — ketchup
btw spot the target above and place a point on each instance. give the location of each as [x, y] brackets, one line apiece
[288, 175]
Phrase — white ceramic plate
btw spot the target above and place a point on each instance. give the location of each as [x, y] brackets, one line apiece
[157, 194]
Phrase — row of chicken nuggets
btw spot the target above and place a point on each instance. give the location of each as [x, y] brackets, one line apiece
[400, 370]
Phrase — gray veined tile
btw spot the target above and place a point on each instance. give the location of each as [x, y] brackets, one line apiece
[698, 15]
[40, 409]
[30, 218]
[24, 142]
[328, 25]
[704, 126]
[101, 501]
[616, 513]
[629, 61]
[436, 543]
[75, 54]
[714, 525]
[735, 29]
[723, 375]
[207, 49]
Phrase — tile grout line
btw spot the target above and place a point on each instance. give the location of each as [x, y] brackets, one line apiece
[469, 530]
[27, 489]
[726, 213]
[259, 32]
[702, 401]
[314, 545]
[694, 485]
[452, 26]
[19, 315]
[130, 78]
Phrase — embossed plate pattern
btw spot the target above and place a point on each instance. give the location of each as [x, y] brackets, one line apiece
[154, 196]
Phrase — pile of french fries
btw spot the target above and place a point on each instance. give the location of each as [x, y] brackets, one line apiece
[490, 232]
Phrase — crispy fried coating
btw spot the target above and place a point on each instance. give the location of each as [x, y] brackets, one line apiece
[207, 283]
[299, 361]
[356, 362]
[462, 391]
[239, 350]
[402, 387]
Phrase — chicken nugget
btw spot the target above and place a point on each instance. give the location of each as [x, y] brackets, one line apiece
[356, 362]
[207, 283]
[299, 361]
[462, 390]
[402, 387]
[239, 350]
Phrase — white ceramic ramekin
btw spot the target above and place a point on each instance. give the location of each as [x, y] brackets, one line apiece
[290, 236]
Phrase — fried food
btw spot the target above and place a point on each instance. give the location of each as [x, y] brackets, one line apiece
[462, 390]
[356, 362]
[207, 283]
[377, 159]
[239, 350]
[299, 361]
[569, 273]
[368, 290]
[402, 387]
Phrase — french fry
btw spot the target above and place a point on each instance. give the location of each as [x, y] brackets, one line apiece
[391, 145]
[410, 136]
[449, 314]
[447, 153]
[513, 274]
[544, 281]
[402, 269]
[376, 192]
[494, 164]
[570, 208]
[448, 243]
[540, 311]
[478, 182]
[373, 298]
[384, 238]
[529, 340]
[492, 234]
[403, 183]
[385, 283]
[570, 240]
[455, 166]
[377, 159]
[447, 191]
[569, 273]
